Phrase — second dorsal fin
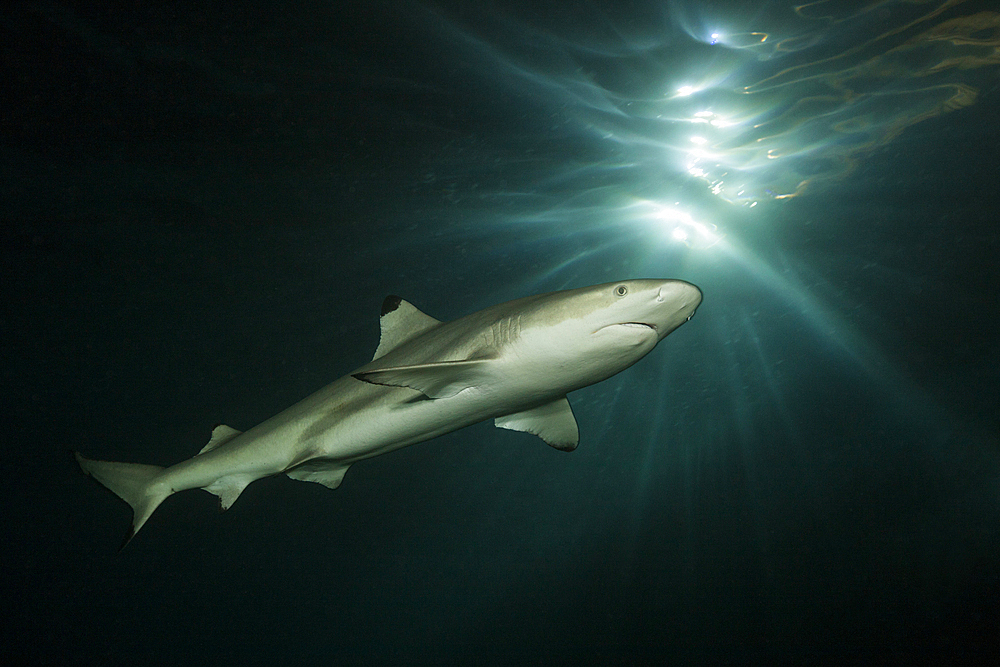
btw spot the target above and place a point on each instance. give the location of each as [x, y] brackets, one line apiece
[221, 434]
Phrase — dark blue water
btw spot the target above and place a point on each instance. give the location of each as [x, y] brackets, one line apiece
[203, 208]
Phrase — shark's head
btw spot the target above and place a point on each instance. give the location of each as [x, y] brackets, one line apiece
[637, 312]
[594, 332]
[656, 306]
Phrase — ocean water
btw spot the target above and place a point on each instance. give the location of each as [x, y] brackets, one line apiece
[204, 206]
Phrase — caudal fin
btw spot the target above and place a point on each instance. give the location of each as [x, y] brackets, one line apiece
[132, 482]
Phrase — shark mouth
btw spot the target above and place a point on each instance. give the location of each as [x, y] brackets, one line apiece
[633, 325]
[630, 325]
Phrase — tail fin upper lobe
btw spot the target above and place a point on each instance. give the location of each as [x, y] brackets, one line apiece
[132, 482]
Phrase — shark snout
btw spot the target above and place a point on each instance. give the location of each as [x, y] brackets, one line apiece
[679, 300]
[693, 297]
[683, 294]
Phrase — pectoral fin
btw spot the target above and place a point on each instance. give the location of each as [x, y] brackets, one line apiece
[553, 422]
[439, 380]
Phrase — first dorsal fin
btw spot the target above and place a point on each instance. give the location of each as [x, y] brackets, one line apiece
[221, 434]
[400, 321]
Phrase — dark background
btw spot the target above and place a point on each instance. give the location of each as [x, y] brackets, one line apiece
[203, 208]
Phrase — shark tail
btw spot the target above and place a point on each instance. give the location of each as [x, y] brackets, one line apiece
[132, 482]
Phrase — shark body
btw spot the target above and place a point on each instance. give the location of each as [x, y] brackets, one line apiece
[513, 362]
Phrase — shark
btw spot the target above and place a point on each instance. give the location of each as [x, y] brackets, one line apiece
[514, 362]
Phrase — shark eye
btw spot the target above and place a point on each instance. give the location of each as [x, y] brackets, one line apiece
[621, 290]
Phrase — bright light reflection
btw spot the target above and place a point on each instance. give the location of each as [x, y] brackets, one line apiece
[683, 227]
[775, 115]
[800, 108]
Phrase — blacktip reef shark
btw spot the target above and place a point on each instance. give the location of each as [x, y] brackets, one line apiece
[513, 363]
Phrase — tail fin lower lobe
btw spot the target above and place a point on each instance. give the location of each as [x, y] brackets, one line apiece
[132, 482]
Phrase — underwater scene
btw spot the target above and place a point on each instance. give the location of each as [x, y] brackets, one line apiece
[501, 333]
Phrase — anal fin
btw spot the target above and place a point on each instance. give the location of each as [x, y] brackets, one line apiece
[228, 489]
